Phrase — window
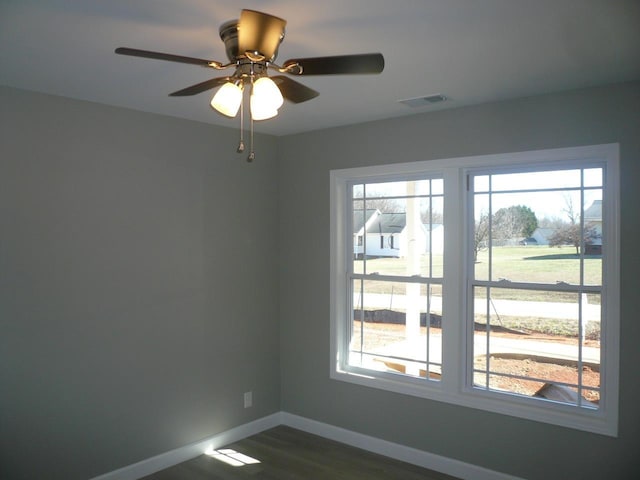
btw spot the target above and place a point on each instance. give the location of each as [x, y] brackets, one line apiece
[392, 290]
[501, 292]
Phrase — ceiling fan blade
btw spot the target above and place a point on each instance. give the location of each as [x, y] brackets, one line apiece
[293, 91]
[260, 33]
[341, 64]
[134, 52]
[200, 87]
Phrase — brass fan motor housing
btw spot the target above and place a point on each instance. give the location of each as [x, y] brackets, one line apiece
[229, 36]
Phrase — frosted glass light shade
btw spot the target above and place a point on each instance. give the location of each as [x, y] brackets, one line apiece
[268, 92]
[265, 100]
[260, 111]
[227, 99]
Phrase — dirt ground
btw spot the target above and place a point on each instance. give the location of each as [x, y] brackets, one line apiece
[551, 372]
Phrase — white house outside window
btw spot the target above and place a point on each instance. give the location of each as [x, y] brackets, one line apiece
[501, 292]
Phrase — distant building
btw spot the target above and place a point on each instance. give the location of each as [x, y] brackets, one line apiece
[540, 236]
[593, 217]
[385, 235]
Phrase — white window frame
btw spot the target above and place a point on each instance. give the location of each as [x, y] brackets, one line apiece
[457, 339]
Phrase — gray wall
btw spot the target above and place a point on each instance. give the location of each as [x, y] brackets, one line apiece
[524, 448]
[138, 285]
[140, 265]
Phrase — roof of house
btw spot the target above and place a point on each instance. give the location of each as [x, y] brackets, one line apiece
[360, 217]
[544, 232]
[594, 212]
[388, 223]
[384, 222]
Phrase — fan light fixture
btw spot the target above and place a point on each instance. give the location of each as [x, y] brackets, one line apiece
[264, 102]
[251, 44]
[228, 99]
[265, 99]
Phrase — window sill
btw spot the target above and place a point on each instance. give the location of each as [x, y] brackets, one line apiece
[540, 410]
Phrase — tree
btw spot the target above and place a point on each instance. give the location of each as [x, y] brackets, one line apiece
[514, 221]
[570, 210]
[570, 234]
[385, 205]
[428, 216]
[480, 235]
[552, 223]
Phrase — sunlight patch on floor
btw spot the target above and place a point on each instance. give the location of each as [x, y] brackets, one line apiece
[231, 457]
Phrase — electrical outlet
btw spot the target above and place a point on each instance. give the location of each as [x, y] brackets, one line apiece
[248, 399]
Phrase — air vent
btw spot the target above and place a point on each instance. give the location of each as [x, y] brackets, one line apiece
[423, 101]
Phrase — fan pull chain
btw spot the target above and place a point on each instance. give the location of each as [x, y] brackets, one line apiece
[241, 144]
[252, 154]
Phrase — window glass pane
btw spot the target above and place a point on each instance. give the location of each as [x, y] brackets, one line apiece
[481, 183]
[592, 237]
[535, 347]
[390, 331]
[397, 266]
[426, 187]
[386, 206]
[481, 236]
[536, 180]
[398, 189]
[432, 217]
[437, 186]
[386, 189]
[590, 327]
[524, 224]
[535, 264]
[400, 236]
[593, 177]
[516, 216]
[359, 218]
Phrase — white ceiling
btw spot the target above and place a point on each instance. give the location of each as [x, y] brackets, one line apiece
[472, 51]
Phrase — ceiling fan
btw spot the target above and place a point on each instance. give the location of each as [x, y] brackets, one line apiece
[251, 44]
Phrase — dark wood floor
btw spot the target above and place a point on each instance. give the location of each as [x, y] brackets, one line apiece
[288, 454]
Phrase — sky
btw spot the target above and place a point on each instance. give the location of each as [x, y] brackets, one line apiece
[550, 194]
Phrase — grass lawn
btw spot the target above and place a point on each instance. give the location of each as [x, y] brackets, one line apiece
[534, 264]
[538, 265]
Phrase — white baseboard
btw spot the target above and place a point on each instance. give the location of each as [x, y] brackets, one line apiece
[414, 456]
[182, 454]
[397, 451]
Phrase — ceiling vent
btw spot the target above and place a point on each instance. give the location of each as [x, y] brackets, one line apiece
[423, 101]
